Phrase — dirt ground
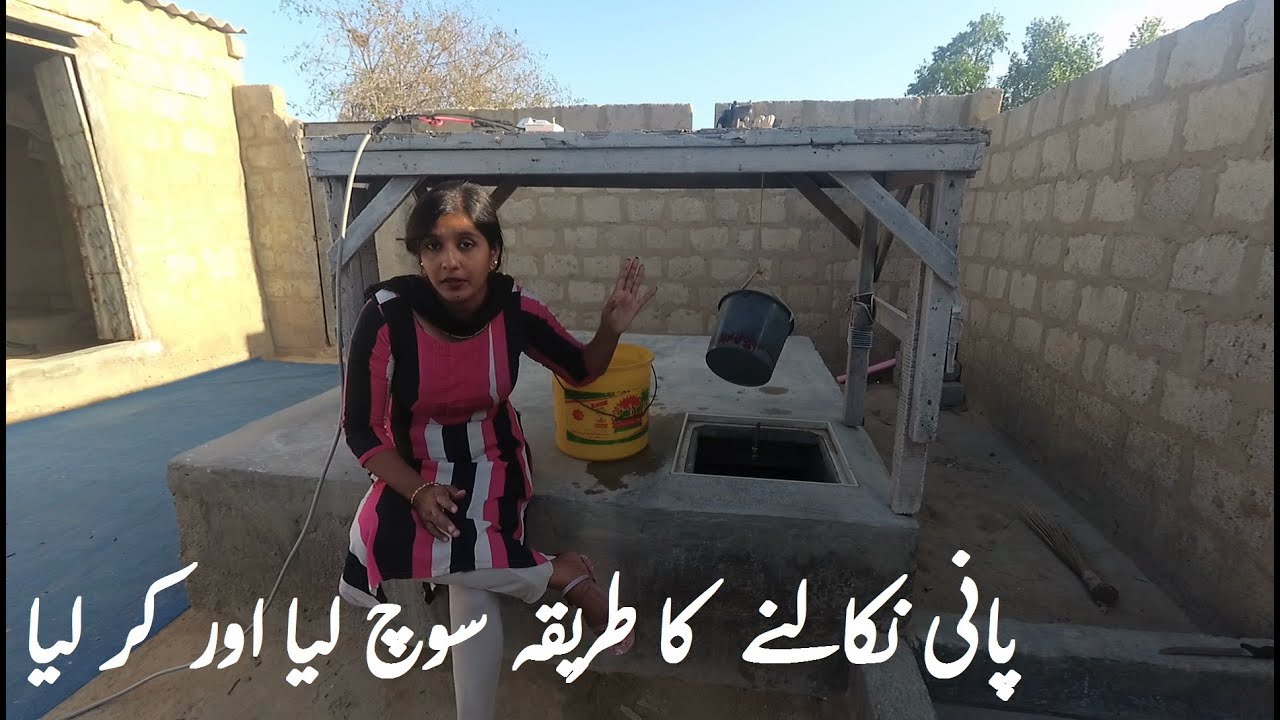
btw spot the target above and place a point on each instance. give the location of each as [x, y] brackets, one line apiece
[975, 488]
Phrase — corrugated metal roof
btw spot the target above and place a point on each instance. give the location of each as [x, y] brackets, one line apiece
[208, 21]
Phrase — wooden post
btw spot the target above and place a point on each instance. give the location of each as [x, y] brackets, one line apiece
[923, 355]
[360, 271]
[860, 326]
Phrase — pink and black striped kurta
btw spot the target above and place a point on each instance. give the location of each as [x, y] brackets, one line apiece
[444, 406]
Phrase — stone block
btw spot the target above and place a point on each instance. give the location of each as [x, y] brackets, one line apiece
[671, 238]
[708, 240]
[1015, 245]
[1046, 251]
[685, 268]
[1096, 146]
[1173, 197]
[602, 209]
[780, 239]
[1224, 114]
[1203, 410]
[1266, 288]
[1262, 448]
[1137, 256]
[1154, 454]
[998, 167]
[1017, 125]
[974, 277]
[1062, 349]
[521, 266]
[999, 323]
[536, 238]
[1210, 264]
[581, 238]
[1035, 203]
[1069, 200]
[1148, 132]
[1091, 358]
[558, 208]
[560, 266]
[798, 270]
[1133, 75]
[1241, 351]
[688, 209]
[587, 292]
[1008, 207]
[1059, 299]
[646, 208]
[1100, 421]
[1022, 290]
[774, 210]
[723, 269]
[1055, 156]
[1084, 254]
[1114, 200]
[519, 211]
[1048, 111]
[1246, 189]
[1127, 376]
[604, 267]
[1026, 161]
[1083, 95]
[997, 279]
[1200, 51]
[969, 236]
[629, 239]
[1103, 308]
[1259, 36]
[726, 209]
[1233, 500]
[685, 322]
[1158, 320]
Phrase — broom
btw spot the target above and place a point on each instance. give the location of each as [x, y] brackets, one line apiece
[1065, 548]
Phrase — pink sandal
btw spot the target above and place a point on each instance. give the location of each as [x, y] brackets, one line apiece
[621, 648]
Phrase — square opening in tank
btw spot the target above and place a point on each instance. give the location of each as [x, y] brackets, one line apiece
[761, 448]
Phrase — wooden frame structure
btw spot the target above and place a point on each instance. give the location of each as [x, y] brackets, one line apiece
[867, 162]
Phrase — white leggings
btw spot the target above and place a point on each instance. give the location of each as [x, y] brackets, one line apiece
[477, 663]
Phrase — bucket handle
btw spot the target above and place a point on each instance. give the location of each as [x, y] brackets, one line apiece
[652, 396]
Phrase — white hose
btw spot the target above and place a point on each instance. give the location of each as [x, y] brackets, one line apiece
[315, 497]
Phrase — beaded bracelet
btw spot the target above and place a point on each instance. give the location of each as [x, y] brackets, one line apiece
[421, 487]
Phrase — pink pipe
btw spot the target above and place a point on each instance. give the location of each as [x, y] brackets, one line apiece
[877, 368]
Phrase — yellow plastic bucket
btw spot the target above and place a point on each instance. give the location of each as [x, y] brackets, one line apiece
[609, 418]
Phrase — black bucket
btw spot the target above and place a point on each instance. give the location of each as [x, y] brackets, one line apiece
[748, 337]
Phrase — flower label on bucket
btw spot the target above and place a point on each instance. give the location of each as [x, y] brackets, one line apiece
[607, 419]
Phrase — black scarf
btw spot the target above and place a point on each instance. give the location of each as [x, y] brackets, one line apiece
[425, 301]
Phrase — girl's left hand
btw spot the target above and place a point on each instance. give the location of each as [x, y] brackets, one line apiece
[627, 300]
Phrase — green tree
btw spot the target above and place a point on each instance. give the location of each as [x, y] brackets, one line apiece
[377, 58]
[1148, 30]
[963, 65]
[1050, 57]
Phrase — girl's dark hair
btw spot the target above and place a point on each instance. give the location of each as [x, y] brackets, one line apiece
[454, 196]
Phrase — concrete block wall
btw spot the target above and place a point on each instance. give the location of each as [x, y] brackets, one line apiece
[1117, 269]
[175, 189]
[278, 196]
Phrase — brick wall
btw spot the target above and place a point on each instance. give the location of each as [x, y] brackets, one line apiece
[1117, 273]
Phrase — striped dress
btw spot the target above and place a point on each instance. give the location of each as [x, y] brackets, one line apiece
[444, 406]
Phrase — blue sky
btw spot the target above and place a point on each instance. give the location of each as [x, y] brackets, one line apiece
[703, 53]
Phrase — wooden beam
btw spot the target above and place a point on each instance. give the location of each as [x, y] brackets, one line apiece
[378, 211]
[727, 159]
[892, 319]
[860, 323]
[324, 243]
[361, 269]
[503, 191]
[934, 319]
[69, 130]
[936, 256]
[828, 207]
[885, 243]
[906, 180]
[805, 139]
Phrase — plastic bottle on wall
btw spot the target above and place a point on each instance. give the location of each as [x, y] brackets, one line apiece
[534, 125]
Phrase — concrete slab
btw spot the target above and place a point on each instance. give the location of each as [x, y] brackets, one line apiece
[241, 501]
[1101, 673]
